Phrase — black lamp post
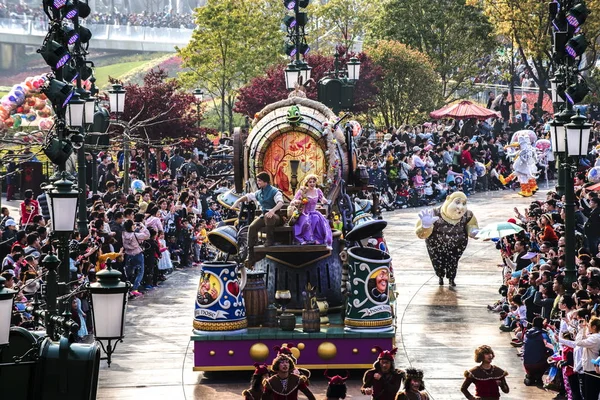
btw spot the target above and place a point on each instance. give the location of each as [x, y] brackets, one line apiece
[62, 201]
[116, 97]
[109, 304]
[199, 95]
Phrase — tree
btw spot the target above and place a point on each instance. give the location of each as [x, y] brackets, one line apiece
[270, 87]
[235, 41]
[526, 22]
[340, 22]
[409, 87]
[454, 35]
[159, 109]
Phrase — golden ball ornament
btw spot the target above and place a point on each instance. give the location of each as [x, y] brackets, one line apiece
[355, 351]
[300, 346]
[230, 352]
[295, 352]
[327, 350]
[259, 352]
[212, 352]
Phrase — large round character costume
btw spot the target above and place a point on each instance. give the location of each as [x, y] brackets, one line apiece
[524, 167]
[446, 231]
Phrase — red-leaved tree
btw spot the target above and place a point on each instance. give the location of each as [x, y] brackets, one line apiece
[270, 88]
[159, 111]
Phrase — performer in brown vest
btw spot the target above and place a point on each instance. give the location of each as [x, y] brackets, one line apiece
[487, 378]
[285, 385]
[383, 381]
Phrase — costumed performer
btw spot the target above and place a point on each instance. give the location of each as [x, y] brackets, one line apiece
[524, 167]
[311, 227]
[414, 387]
[261, 372]
[446, 231]
[383, 381]
[336, 389]
[486, 377]
[271, 201]
[284, 385]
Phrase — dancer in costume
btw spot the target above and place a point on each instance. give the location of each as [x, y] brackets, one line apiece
[255, 392]
[285, 385]
[336, 389]
[487, 377]
[446, 231]
[524, 167]
[414, 387]
[383, 381]
[311, 227]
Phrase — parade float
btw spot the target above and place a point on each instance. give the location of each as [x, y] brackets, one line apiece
[331, 304]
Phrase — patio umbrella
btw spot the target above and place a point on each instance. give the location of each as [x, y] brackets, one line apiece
[498, 230]
[527, 133]
[464, 110]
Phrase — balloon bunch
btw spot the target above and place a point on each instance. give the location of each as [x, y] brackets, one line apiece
[24, 104]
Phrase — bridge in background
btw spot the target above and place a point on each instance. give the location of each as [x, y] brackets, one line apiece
[114, 37]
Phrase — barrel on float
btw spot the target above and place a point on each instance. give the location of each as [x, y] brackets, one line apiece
[368, 306]
[311, 321]
[256, 298]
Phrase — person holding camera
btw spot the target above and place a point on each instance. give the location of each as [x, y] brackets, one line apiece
[133, 236]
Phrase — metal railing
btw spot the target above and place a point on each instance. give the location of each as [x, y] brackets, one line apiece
[175, 36]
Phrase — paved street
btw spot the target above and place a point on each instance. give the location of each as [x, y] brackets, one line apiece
[438, 327]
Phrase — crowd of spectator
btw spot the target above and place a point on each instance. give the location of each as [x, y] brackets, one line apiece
[145, 233]
[421, 164]
[559, 334]
[166, 19]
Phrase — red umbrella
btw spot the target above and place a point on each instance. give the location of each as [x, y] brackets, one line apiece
[464, 110]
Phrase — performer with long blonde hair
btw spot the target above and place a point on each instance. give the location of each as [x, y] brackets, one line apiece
[311, 227]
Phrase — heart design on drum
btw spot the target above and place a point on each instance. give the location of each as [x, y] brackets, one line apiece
[233, 288]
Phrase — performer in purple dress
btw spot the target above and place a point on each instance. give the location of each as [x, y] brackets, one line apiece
[311, 227]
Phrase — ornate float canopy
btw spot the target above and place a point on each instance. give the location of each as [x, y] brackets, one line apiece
[296, 137]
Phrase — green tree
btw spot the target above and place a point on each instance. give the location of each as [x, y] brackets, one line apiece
[235, 40]
[456, 36]
[340, 22]
[409, 87]
[526, 22]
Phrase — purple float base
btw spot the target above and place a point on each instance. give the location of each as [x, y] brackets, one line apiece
[227, 353]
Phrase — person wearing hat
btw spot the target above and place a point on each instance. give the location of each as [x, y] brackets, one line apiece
[261, 372]
[271, 201]
[285, 385]
[336, 389]
[414, 387]
[486, 377]
[383, 381]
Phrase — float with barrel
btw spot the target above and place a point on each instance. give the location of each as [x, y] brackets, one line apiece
[320, 300]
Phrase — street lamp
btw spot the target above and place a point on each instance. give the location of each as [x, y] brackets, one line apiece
[6, 306]
[116, 97]
[353, 69]
[62, 201]
[109, 304]
[578, 136]
[199, 95]
[305, 71]
[75, 111]
[292, 73]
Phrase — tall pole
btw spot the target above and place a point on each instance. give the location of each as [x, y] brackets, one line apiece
[570, 205]
[512, 74]
[82, 221]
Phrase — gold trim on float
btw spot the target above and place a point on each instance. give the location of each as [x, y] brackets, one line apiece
[368, 323]
[287, 264]
[220, 326]
[307, 366]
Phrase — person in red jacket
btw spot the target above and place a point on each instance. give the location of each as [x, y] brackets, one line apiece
[466, 160]
[548, 234]
[29, 208]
